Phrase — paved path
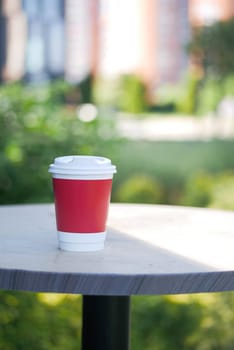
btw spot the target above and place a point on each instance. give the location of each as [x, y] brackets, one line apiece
[176, 128]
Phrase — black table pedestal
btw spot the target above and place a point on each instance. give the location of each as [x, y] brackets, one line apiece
[106, 322]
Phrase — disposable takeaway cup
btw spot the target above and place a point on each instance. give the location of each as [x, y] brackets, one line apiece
[82, 190]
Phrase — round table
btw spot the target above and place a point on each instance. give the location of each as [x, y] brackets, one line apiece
[150, 249]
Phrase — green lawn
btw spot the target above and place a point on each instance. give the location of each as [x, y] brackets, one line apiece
[172, 163]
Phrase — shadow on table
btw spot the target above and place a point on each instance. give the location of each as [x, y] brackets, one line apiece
[143, 268]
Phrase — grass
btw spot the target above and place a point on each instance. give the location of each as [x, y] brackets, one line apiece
[171, 162]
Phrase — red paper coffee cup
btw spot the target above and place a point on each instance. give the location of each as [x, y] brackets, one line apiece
[82, 190]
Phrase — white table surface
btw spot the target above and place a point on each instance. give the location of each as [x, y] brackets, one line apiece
[150, 249]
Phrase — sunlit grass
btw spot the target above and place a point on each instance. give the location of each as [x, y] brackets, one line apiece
[54, 299]
[202, 298]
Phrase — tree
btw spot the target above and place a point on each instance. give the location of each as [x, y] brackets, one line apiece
[214, 46]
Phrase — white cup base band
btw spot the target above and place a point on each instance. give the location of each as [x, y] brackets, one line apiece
[81, 242]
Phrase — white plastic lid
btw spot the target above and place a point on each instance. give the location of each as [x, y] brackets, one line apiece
[82, 165]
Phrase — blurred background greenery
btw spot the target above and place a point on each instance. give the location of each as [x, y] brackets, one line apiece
[38, 123]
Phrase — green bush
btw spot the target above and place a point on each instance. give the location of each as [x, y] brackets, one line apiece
[132, 94]
[186, 101]
[211, 92]
[222, 195]
[126, 93]
[86, 89]
[209, 96]
[206, 190]
[198, 190]
[182, 96]
[106, 92]
[140, 189]
[228, 85]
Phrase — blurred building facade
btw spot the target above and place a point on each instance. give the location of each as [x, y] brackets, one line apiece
[44, 55]
[144, 37]
[12, 40]
[81, 38]
[41, 39]
[206, 12]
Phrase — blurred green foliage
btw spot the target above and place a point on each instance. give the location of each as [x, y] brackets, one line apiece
[196, 96]
[211, 92]
[195, 322]
[132, 94]
[173, 165]
[49, 322]
[35, 126]
[209, 96]
[222, 194]
[214, 44]
[186, 101]
[213, 47]
[140, 189]
[183, 95]
[105, 92]
[126, 93]
[27, 322]
[209, 190]
[198, 190]
[164, 323]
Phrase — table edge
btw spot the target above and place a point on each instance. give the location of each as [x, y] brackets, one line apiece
[116, 284]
